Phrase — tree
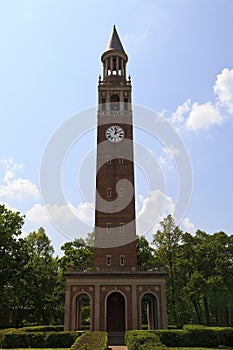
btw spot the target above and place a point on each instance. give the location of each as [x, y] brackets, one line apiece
[77, 253]
[42, 270]
[145, 253]
[167, 242]
[10, 228]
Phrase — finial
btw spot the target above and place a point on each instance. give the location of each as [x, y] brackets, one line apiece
[114, 27]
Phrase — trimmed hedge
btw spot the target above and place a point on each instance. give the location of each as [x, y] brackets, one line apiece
[91, 340]
[42, 329]
[17, 339]
[202, 337]
[193, 338]
[143, 340]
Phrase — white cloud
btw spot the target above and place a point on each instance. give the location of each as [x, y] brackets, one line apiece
[171, 150]
[16, 188]
[11, 164]
[155, 206]
[223, 88]
[154, 209]
[19, 189]
[60, 213]
[203, 116]
[178, 116]
[187, 226]
[196, 116]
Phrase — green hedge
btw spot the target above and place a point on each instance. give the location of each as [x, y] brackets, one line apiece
[94, 340]
[193, 338]
[143, 340]
[42, 329]
[16, 339]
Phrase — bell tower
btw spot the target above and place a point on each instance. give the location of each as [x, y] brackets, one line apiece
[119, 292]
[115, 232]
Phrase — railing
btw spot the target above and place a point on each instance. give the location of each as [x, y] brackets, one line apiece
[114, 82]
[116, 269]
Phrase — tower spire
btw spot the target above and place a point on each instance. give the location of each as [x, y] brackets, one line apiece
[114, 42]
[114, 58]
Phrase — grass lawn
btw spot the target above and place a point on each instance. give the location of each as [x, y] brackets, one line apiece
[69, 349]
[192, 349]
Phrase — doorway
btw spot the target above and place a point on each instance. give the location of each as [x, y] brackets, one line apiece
[115, 312]
[149, 312]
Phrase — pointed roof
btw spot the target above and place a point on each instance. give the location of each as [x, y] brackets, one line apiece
[114, 42]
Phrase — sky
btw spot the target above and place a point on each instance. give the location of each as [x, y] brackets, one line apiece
[181, 65]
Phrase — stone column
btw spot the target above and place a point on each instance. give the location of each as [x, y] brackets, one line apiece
[163, 309]
[134, 308]
[96, 309]
[68, 316]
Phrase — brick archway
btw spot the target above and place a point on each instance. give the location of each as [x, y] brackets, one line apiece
[149, 310]
[80, 301]
[115, 312]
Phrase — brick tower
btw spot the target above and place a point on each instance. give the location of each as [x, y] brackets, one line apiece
[117, 289]
[115, 232]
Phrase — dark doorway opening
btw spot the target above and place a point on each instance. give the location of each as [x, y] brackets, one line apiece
[149, 312]
[115, 312]
[83, 312]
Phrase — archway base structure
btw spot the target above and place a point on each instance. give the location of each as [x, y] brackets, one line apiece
[130, 285]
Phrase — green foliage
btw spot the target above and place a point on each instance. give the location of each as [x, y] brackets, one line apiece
[11, 256]
[190, 338]
[77, 253]
[145, 253]
[143, 340]
[167, 242]
[200, 269]
[19, 339]
[42, 329]
[193, 326]
[94, 340]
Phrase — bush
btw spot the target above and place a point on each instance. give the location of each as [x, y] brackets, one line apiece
[16, 339]
[193, 326]
[42, 329]
[192, 338]
[143, 340]
[91, 340]
[61, 339]
[226, 336]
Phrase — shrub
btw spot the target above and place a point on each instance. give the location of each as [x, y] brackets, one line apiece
[143, 340]
[192, 338]
[91, 340]
[226, 336]
[42, 329]
[61, 339]
[15, 340]
[18, 339]
[193, 326]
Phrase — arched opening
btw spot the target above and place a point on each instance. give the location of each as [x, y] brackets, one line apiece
[149, 312]
[115, 102]
[115, 312]
[82, 312]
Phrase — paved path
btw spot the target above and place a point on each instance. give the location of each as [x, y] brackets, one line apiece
[118, 347]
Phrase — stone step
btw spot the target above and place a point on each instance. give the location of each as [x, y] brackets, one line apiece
[116, 338]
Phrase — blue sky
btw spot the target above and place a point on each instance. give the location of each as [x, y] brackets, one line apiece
[180, 61]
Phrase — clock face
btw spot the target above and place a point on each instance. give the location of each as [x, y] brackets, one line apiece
[115, 133]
